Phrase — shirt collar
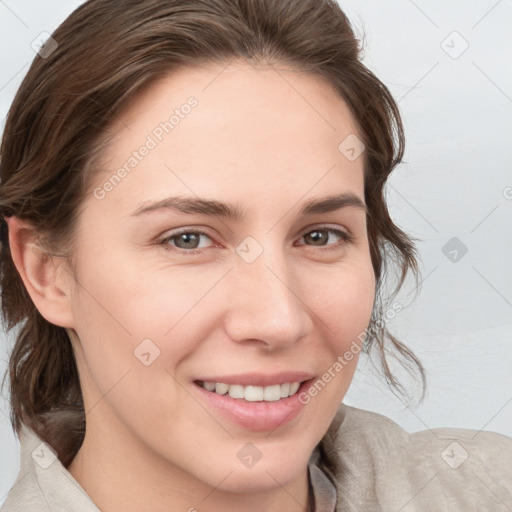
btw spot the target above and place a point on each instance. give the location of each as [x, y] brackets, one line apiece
[324, 491]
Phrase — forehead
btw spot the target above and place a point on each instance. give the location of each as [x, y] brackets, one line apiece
[243, 86]
[234, 126]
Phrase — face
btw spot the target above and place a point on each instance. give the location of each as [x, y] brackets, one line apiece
[226, 256]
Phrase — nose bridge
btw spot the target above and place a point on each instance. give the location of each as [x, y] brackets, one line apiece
[267, 306]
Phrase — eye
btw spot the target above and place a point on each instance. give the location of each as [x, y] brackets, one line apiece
[191, 241]
[186, 240]
[326, 236]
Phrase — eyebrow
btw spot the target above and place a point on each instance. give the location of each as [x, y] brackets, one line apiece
[236, 213]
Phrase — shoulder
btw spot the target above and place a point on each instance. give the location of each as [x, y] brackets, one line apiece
[378, 465]
[25, 496]
[43, 483]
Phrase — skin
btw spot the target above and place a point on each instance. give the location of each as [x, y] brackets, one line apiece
[267, 142]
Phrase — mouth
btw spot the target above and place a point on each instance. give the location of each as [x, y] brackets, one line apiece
[271, 393]
[254, 402]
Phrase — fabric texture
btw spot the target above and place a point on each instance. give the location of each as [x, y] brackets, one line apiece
[364, 463]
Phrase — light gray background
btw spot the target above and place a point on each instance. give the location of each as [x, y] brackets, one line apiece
[456, 182]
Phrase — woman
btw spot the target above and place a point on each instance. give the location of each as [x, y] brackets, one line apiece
[194, 243]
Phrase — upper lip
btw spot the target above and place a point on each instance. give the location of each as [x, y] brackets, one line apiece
[259, 379]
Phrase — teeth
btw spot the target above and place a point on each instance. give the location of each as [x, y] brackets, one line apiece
[254, 393]
[210, 386]
[221, 389]
[272, 393]
[236, 391]
[294, 386]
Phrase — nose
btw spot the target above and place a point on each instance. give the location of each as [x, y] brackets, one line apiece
[267, 306]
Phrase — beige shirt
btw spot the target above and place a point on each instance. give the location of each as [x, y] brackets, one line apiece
[364, 463]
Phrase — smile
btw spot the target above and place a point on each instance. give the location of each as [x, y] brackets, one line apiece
[253, 393]
[254, 401]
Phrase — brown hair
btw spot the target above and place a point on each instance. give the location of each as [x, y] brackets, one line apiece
[108, 51]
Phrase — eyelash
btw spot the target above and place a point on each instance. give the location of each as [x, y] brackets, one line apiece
[346, 239]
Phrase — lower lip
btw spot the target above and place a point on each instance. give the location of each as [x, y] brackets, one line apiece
[262, 416]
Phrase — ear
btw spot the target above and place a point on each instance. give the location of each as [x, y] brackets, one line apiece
[45, 276]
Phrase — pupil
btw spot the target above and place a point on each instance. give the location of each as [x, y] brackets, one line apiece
[317, 237]
[189, 240]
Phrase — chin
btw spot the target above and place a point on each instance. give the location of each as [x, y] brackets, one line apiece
[262, 466]
[262, 479]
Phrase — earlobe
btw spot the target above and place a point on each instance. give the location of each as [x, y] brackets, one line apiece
[44, 275]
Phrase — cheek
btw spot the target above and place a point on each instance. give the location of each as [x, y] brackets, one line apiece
[345, 310]
[343, 307]
[127, 372]
[344, 303]
[139, 302]
[135, 322]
